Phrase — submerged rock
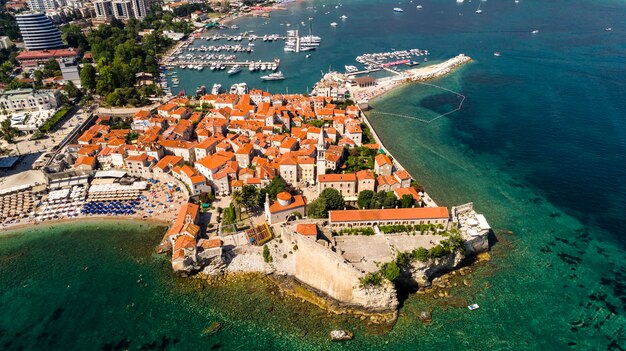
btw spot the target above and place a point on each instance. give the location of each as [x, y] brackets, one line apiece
[341, 335]
[425, 317]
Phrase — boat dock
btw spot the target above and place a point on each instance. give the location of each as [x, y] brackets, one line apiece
[212, 63]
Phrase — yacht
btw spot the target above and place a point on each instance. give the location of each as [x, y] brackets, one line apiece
[200, 90]
[351, 69]
[344, 17]
[251, 67]
[478, 10]
[536, 31]
[308, 55]
[496, 54]
[397, 9]
[608, 29]
[274, 76]
[263, 67]
[234, 70]
[333, 24]
[233, 89]
[242, 88]
[419, 7]
[216, 89]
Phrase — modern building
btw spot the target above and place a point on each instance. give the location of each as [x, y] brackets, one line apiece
[38, 31]
[42, 5]
[104, 9]
[120, 9]
[69, 69]
[28, 99]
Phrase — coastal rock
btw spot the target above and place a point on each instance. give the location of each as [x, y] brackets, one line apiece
[341, 335]
[422, 272]
[377, 298]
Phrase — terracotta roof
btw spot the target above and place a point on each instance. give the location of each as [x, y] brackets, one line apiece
[382, 159]
[400, 192]
[348, 177]
[306, 229]
[283, 196]
[388, 214]
[298, 202]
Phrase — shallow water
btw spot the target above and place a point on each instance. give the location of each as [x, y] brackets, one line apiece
[539, 147]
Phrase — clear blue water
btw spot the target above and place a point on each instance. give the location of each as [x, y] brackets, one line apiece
[539, 147]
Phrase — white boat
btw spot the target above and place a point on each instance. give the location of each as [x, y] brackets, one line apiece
[479, 11]
[307, 55]
[242, 88]
[333, 24]
[263, 67]
[216, 89]
[289, 49]
[536, 31]
[234, 70]
[233, 88]
[251, 67]
[460, 1]
[496, 54]
[274, 76]
[397, 9]
[608, 29]
[351, 69]
[419, 7]
[473, 307]
[344, 17]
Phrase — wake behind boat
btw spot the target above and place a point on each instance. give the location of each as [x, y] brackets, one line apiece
[274, 76]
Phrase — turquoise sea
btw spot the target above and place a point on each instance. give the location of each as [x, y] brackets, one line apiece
[539, 146]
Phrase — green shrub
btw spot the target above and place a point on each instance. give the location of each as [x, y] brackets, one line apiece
[267, 257]
[371, 279]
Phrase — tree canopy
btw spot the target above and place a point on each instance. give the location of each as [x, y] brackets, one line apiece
[328, 200]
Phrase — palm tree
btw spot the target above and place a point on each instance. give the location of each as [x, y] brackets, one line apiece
[237, 199]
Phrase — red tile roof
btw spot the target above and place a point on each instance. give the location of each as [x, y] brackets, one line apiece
[388, 214]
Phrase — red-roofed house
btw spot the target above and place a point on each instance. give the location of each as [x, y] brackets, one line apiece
[382, 164]
[344, 183]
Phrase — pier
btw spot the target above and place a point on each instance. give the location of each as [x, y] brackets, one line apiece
[209, 63]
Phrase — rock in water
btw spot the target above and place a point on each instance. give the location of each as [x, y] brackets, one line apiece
[341, 335]
[425, 317]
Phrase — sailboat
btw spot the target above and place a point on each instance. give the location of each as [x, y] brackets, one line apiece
[479, 11]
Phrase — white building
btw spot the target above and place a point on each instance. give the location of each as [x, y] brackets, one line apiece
[5, 42]
[29, 99]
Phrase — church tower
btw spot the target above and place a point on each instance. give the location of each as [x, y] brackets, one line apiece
[321, 153]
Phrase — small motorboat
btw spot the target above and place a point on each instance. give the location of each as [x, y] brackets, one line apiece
[473, 307]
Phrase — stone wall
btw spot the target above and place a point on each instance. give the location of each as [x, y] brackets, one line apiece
[326, 271]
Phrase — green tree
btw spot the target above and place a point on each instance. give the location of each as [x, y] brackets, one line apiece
[333, 199]
[267, 256]
[88, 77]
[364, 200]
[421, 254]
[71, 89]
[7, 132]
[74, 37]
[328, 200]
[391, 271]
[407, 201]
[276, 186]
